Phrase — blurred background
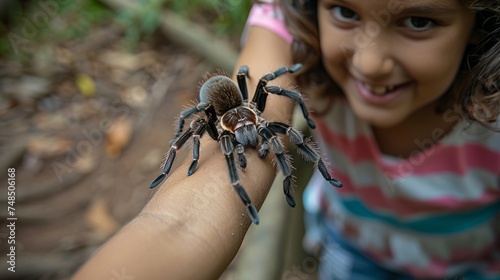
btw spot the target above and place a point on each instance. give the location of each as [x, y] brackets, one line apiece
[89, 93]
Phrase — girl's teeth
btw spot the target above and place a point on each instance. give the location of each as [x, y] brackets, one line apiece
[379, 90]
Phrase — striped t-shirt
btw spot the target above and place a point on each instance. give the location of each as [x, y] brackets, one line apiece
[433, 214]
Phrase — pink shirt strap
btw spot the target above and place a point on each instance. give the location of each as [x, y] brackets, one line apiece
[270, 17]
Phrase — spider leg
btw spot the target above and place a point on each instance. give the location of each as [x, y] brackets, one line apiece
[262, 91]
[211, 122]
[264, 149]
[198, 132]
[242, 84]
[242, 160]
[187, 113]
[283, 163]
[304, 149]
[296, 97]
[203, 125]
[260, 96]
[227, 147]
[176, 145]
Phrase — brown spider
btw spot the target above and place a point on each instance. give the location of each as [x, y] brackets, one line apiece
[236, 123]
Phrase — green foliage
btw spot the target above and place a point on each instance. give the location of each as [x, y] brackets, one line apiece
[224, 16]
[41, 23]
[5, 46]
[80, 19]
[140, 22]
[37, 25]
[232, 16]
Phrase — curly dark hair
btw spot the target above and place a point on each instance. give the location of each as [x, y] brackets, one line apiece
[480, 96]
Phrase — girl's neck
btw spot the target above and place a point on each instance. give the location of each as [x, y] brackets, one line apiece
[417, 132]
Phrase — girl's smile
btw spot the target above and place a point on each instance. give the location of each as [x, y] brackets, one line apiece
[392, 59]
[380, 95]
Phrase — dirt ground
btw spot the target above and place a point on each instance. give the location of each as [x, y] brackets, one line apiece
[85, 140]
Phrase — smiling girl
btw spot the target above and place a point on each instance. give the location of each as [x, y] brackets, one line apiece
[421, 195]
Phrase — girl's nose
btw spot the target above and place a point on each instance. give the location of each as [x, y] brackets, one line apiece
[373, 61]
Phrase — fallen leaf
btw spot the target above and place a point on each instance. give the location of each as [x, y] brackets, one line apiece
[136, 96]
[118, 137]
[44, 61]
[6, 104]
[85, 164]
[99, 219]
[80, 111]
[64, 56]
[51, 121]
[48, 146]
[26, 88]
[86, 85]
[127, 61]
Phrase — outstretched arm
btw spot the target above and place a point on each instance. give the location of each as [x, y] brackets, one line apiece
[193, 226]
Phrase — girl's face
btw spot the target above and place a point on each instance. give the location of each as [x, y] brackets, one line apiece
[393, 58]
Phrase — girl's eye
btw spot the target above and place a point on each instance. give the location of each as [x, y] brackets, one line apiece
[344, 14]
[419, 23]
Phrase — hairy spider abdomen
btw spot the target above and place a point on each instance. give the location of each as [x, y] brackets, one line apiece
[242, 122]
[222, 93]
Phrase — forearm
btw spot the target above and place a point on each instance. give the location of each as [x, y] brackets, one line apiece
[192, 227]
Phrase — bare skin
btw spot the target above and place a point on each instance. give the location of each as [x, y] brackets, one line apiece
[193, 226]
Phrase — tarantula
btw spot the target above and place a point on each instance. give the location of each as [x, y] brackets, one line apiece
[229, 118]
